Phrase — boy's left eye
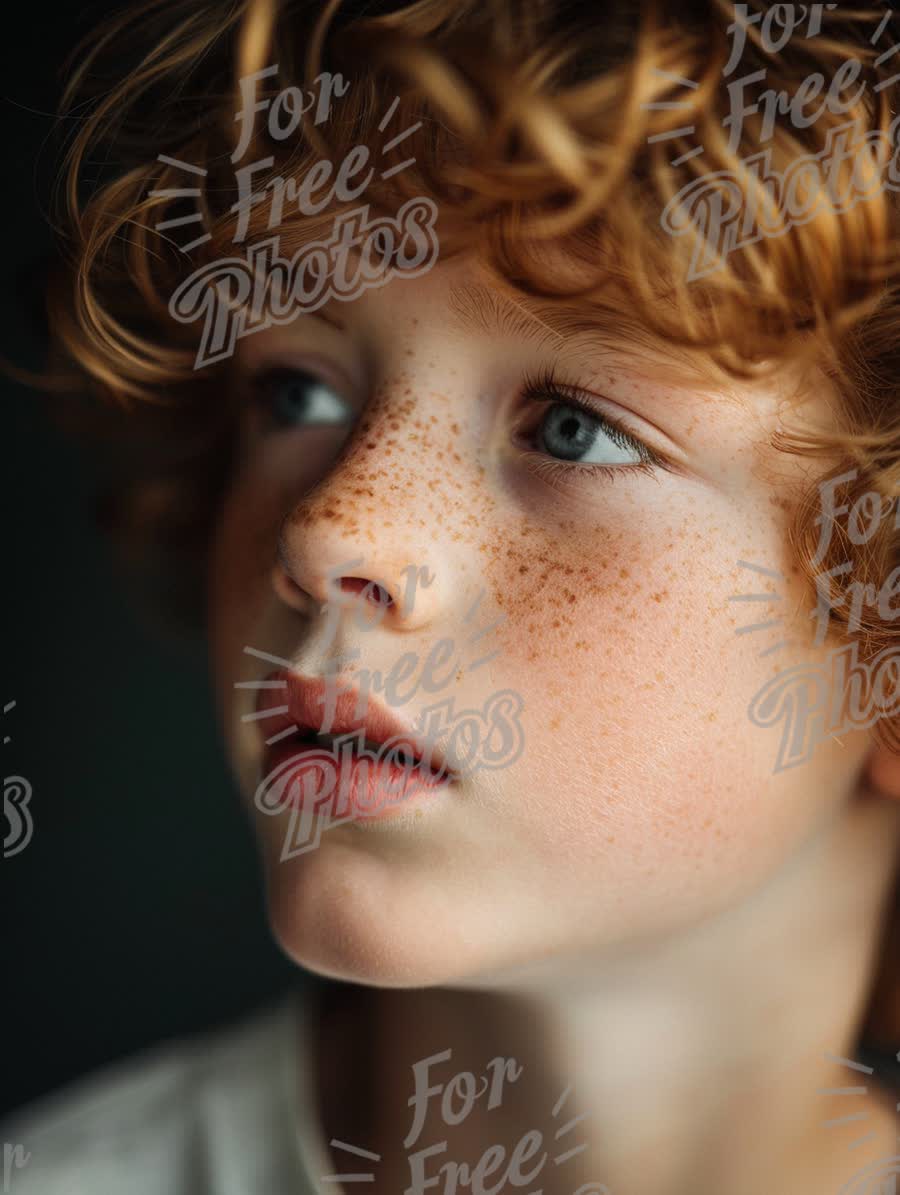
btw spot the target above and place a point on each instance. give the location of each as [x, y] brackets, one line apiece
[570, 433]
[570, 430]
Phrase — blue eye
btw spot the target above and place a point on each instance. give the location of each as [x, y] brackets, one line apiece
[295, 398]
[570, 433]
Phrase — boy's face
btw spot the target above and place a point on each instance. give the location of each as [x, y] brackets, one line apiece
[397, 437]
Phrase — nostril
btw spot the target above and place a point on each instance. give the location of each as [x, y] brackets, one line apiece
[370, 591]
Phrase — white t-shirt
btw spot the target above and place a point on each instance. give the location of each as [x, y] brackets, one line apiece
[226, 1113]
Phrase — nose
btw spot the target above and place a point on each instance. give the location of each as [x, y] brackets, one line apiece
[316, 565]
[377, 530]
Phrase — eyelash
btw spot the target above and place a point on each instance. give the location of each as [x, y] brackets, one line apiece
[546, 388]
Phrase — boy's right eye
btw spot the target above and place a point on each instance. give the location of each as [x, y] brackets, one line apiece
[296, 398]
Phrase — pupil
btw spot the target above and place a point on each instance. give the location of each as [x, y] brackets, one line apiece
[567, 433]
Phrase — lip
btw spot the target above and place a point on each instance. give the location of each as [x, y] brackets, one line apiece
[300, 704]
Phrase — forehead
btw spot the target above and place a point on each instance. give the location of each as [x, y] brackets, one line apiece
[591, 332]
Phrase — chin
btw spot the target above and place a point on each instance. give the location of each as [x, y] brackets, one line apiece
[345, 915]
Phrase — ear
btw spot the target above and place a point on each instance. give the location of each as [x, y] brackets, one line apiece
[882, 771]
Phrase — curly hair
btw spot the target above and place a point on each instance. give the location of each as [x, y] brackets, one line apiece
[581, 125]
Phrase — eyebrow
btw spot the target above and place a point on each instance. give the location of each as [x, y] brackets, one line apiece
[483, 309]
[478, 308]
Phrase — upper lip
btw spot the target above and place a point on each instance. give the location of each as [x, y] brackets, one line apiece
[307, 701]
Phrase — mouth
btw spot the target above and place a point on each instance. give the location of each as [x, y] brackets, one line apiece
[293, 716]
[307, 737]
[325, 759]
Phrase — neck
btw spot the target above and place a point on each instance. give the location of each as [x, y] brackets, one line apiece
[694, 1064]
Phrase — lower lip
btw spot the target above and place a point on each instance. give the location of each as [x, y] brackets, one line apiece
[365, 790]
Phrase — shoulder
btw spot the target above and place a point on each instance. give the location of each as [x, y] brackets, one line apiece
[173, 1120]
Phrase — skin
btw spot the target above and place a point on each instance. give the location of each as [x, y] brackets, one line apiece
[638, 905]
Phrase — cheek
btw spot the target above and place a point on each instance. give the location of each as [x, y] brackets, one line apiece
[640, 757]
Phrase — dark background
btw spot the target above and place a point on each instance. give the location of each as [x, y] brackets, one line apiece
[135, 913]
